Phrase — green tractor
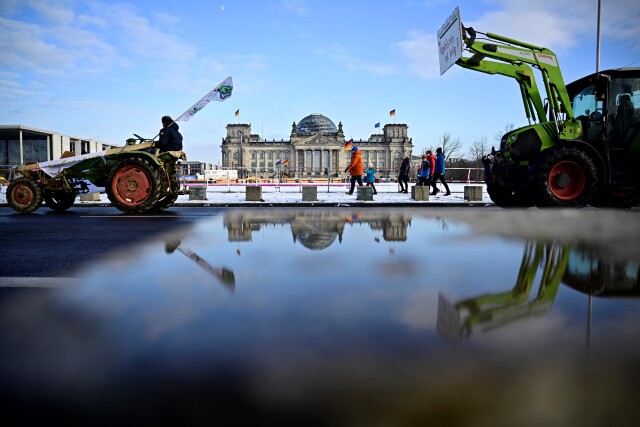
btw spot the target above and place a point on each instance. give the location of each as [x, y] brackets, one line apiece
[582, 144]
[136, 178]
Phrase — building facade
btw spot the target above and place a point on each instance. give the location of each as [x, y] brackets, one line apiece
[22, 145]
[315, 149]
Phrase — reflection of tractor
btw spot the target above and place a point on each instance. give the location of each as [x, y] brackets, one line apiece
[585, 146]
[136, 179]
[456, 321]
[581, 269]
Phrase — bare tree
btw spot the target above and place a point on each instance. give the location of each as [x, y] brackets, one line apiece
[450, 146]
[478, 149]
[498, 136]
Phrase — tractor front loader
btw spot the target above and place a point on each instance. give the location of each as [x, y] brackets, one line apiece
[560, 159]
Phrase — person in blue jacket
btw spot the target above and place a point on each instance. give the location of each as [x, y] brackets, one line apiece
[424, 172]
[370, 177]
[438, 174]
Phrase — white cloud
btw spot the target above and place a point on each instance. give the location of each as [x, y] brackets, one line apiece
[421, 52]
[339, 54]
[297, 7]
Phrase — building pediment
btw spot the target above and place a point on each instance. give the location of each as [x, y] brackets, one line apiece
[315, 140]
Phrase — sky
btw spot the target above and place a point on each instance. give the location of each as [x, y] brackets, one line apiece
[107, 69]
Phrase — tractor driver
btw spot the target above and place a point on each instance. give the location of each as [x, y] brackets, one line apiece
[170, 138]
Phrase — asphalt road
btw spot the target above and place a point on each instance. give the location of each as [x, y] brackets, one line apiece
[48, 244]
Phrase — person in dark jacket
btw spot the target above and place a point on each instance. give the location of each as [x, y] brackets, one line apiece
[170, 138]
[403, 176]
[438, 174]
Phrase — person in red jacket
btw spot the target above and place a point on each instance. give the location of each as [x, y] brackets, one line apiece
[355, 168]
[432, 160]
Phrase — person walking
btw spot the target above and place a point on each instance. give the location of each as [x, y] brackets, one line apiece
[370, 177]
[438, 174]
[432, 162]
[424, 173]
[403, 176]
[355, 168]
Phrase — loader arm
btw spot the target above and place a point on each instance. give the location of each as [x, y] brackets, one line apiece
[495, 54]
[523, 74]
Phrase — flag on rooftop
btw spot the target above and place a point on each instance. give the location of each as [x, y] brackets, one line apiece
[219, 93]
[237, 112]
[377, 125]
[392, 112]
[348, 145]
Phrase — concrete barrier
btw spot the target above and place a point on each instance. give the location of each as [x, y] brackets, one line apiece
[91, 197]
[253, 194]
[310, 194]
[364, 193]
[420, 192]
[199, 193]
[473, 193]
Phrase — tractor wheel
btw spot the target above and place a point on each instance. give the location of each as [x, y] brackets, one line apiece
[24, 195]
[622, 199]
[564, 177]
[134, 185]
[165, 202]
[505, 198]
[59, 200]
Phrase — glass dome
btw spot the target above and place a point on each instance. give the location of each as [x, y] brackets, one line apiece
[315, 123]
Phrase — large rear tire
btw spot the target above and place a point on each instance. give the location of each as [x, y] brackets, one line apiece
[506, 198]
[24, 195]
[59, 200]
[134, 185]
[165, 202]
[564, 177]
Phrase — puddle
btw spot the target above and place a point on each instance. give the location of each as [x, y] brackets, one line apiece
[345, 316]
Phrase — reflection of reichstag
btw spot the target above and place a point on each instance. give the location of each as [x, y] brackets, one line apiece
[315, 149]
[315, 229]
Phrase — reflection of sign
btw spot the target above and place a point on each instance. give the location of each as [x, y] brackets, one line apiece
[448, 325]
[450, 41]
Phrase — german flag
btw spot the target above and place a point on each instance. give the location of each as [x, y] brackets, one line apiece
[392, 112]
[348, 145]
[237, 112]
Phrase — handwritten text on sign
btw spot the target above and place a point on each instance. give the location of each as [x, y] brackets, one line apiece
[450, 41]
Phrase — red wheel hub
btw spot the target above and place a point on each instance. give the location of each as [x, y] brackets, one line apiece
[567, 180]
[23, 194]
[131, 185]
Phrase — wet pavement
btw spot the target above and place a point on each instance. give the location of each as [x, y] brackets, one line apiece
[343, 317]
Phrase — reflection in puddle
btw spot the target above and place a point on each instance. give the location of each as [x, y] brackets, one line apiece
[342, 317]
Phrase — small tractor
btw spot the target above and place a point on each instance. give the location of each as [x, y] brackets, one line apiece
[582, 144]
[136, 178]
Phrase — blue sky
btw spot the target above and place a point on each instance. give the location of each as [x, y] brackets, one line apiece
[107, 69]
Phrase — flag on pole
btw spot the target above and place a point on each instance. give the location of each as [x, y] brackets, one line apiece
[377, 125]
[219, 93]
[285, 162]
[348, 145]
[392, 112]
[237, 112]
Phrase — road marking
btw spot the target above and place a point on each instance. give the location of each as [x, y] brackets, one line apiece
[38, 282]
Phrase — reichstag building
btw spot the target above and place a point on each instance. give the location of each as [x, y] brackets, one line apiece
[315, 150]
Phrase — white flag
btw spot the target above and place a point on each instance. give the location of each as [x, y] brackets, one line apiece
[220, 93]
